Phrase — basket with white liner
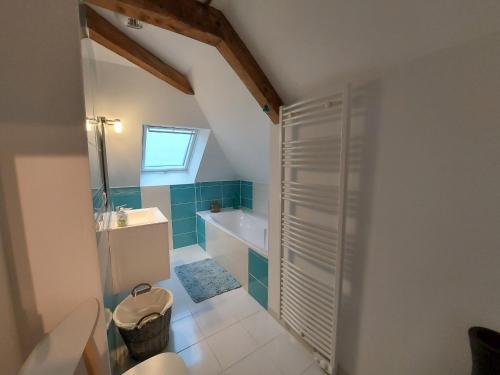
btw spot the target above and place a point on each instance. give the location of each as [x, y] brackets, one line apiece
[143, 320]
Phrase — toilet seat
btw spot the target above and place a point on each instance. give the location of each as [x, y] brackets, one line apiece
[161, 364]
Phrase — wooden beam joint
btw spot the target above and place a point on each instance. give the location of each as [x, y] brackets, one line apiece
[206, 24]
[104, 33]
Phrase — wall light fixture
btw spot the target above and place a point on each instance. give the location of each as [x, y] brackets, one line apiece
[115, 123]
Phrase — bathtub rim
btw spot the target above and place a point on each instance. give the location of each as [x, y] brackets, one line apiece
[206, 215]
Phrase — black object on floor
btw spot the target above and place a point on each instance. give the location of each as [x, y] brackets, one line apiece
[485, 348]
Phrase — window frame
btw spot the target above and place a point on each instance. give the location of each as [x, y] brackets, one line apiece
[173, 129]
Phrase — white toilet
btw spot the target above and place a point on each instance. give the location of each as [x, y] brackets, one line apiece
[161, 364]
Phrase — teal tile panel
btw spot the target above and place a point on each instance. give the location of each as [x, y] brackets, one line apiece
[184, 225]
[203, 205]
[248, 203]
[202, 241]
[181, 186]
[126, 190]
[209, 183]
[129, 197]
[183, 211]
[200, 225]
[231, 182]
[186, 195]
[257, 291]
[246, 191]
[185, 239]
[231, 203]
[257, 266]
[211, 192]
[230, 190]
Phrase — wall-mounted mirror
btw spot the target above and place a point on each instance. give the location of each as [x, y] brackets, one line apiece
[95, 139]
[95, 142]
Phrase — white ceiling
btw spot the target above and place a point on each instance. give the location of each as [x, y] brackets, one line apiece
[303, 47]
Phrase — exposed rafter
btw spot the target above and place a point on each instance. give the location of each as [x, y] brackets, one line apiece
[104, 33]
[208, 25]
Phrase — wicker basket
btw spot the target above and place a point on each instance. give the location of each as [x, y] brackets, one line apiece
[148, 335]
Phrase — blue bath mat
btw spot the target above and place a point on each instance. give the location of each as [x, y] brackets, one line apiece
[205, 279]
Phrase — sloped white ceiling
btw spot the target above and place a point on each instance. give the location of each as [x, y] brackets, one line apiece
[305, 47]
[238, 123]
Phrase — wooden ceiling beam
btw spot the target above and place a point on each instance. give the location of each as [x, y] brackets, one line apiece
[208, 25]
[104, 33]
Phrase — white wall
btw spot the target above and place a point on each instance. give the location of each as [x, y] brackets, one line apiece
[45, 204]
[261, 198]
[424, 263]
[237, 120]
[159, 196]
[137, 98]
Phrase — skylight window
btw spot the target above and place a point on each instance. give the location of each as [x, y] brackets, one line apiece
[166, 148]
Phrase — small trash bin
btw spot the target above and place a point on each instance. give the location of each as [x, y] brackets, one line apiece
[485, 349]
[143, 320]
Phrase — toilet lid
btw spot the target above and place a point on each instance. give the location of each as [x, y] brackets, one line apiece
[161, 364]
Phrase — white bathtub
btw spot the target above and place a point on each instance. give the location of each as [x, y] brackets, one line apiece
[229, 234]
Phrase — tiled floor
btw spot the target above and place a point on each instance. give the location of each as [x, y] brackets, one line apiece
[228, 334]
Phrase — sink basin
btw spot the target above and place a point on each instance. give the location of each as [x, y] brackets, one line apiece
[140, 250]
[142, 216]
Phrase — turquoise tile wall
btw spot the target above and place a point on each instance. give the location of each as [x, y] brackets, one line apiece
[128, 196]
[257, 277]
[226, 192]
[231, 194]
[184, 239]
[257, 291]
[187, 199]
[200, 230]
[247, 194]
[184, 225]
[257, 266]
[183, 210]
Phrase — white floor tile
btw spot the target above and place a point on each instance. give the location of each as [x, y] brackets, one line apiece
[234, 325]
[182, 300]
[231, 344]
[212, 318]
[262, 327]
[180, 308]
[174, 285]
[183, 333]
[256, 363]
[242, 305]
[188, 254]
[288, 354]
[207, 304]
[314, 369]
[200, 360]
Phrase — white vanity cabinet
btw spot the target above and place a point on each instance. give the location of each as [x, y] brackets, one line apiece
[139, 251]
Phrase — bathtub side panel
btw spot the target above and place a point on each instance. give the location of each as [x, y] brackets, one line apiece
[229, 252]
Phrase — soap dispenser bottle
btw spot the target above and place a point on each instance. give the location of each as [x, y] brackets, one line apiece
[121, 217]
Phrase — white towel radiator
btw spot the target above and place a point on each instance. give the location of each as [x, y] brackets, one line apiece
[314, 152]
